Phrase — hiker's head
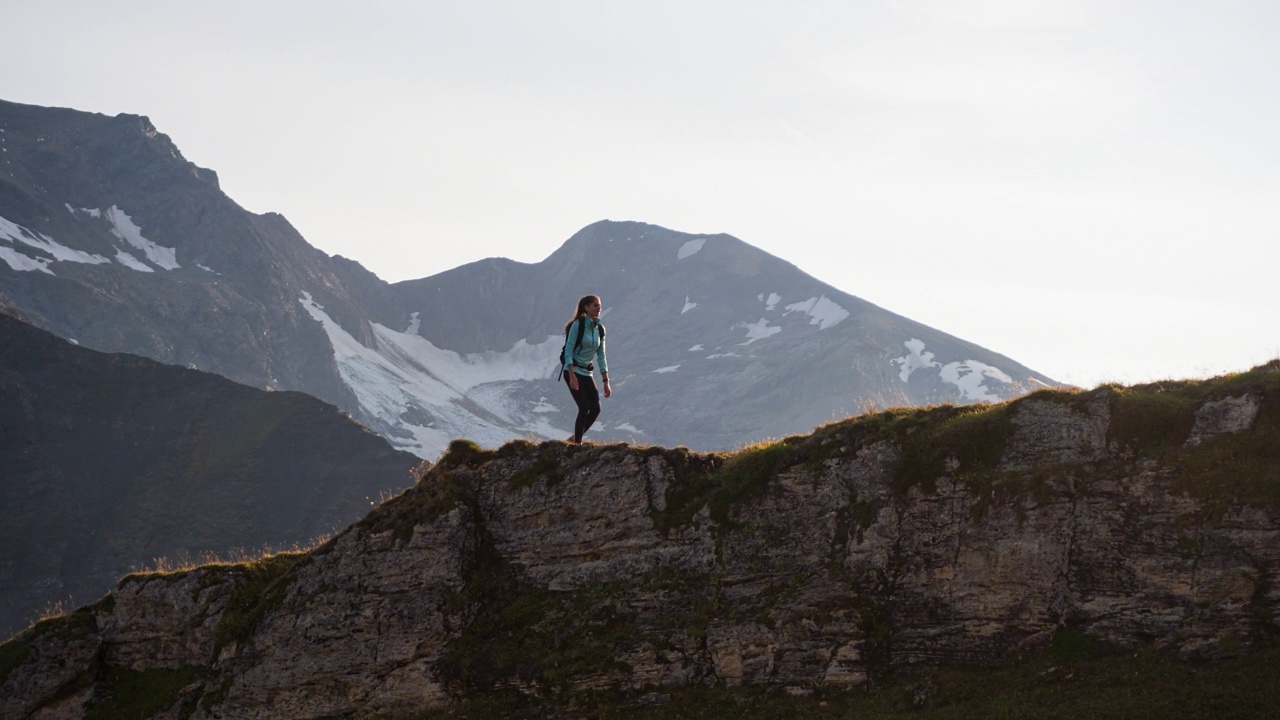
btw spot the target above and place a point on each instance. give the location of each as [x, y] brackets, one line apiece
[588, 305]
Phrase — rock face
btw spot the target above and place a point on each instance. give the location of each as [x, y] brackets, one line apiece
[109, 462]
[111, 238]
[912, 538]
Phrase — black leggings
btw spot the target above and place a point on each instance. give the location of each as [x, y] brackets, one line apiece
[588, 399]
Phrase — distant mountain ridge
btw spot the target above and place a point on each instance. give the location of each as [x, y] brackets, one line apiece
[110, 237]
[108, 462]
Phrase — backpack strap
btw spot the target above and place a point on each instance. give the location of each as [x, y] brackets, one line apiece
[582, 327]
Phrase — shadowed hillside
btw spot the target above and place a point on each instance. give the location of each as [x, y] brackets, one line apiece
[108, 462]
[1083, 547]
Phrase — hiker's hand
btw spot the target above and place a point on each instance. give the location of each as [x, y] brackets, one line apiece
[607, 389]
[573, 381]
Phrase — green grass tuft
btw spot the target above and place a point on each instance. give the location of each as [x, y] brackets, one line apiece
[514, 447]
[695, 479]
[721, 481]
[972, 437]
[1241, 468]
[549, 466]
[464, 453]
[1151, 420]
[1157, 417]
[263, 589]
[746, 475]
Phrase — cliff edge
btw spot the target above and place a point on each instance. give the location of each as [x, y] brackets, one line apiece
[1143, 517]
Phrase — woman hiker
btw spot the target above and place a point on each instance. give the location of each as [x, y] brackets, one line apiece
[584, 345]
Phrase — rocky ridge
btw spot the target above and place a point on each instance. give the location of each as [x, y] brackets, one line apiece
[915, 538]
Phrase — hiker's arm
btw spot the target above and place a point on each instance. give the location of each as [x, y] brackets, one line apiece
[601, 360]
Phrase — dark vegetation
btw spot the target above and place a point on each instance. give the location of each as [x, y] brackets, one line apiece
[262, 590]
[529, 634]
[123, 693]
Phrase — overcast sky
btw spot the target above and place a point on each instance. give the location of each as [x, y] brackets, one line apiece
[1092, 189]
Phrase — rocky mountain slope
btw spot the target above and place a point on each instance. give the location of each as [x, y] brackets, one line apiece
[108, 462]
[110, 237]
[713, 343]
[878, 545]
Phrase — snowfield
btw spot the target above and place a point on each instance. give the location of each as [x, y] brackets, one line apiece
[427, 396]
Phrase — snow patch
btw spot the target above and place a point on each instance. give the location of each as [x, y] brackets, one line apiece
[61, 253]
[667, 369]
[629, 428]
[23, 263]
[758, 330]
[690, 248]
[771, 302]
[123, 227]
[915, 359]
[414, 324]
[132, 262]
[688, 305]
[697, 348]
[824, 312]
[969, 376]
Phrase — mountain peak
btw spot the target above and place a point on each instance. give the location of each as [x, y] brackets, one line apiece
[118, 245]
[618, 237]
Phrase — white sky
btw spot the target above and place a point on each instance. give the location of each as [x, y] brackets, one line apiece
[1092, 188]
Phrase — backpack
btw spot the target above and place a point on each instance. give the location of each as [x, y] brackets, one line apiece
[582, 326]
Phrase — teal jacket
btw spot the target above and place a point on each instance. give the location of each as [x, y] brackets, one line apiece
[592, 349]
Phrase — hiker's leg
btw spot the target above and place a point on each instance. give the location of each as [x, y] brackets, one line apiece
[588, 410]
[583, 397]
